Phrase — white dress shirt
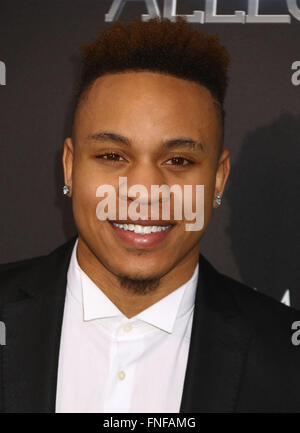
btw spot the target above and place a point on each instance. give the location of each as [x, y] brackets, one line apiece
[110, 363]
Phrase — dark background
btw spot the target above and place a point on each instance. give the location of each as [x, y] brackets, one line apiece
[254, 235]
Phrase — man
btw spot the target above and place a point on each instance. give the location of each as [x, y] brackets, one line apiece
[129, 316]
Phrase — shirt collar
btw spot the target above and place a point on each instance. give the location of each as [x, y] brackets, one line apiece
[97, 305]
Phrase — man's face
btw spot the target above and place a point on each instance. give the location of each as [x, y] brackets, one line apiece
[145, 110]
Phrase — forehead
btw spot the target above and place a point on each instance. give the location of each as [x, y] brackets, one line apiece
[145, 102]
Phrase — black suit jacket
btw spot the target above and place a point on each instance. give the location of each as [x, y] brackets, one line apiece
[241, 358]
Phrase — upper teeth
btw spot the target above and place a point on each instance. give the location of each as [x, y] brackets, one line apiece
[141, 229]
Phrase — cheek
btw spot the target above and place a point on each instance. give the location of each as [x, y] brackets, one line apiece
[209, 192]
[204, 197]
[84, 194]
[209, 177]
[86, 181]
[206, 177]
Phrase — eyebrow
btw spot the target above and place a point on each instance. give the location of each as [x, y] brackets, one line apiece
[184, 142]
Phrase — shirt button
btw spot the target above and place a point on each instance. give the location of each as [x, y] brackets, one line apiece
[127, 327]
[121, 375]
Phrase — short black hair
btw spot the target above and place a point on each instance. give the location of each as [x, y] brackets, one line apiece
[157, 45]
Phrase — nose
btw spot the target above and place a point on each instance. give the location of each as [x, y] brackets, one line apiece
[145, 175]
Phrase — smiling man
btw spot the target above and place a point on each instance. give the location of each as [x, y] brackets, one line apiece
[129, 316]
[133, 124]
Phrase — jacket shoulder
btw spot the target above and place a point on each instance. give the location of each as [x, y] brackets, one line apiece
[15, 275]
[20, 264]
[252, 301]
[270, 380]
[266, 316]
[271, 322]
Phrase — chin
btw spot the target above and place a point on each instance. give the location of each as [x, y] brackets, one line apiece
[136, 268]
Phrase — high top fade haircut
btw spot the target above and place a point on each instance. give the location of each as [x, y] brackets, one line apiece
[157, 45]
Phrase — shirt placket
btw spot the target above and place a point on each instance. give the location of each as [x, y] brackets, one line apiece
[126, 349]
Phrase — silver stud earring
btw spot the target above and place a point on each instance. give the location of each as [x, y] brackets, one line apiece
[66, 190]
[218, 200]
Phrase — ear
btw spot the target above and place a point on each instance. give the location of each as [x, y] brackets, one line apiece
[67, 161]
[222, 174]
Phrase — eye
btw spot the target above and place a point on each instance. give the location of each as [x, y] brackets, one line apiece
[113, 157]
[180, 161]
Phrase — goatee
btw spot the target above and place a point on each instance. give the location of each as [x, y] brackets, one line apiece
[139, 286]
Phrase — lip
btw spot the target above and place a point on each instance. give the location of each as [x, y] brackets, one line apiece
[144, 222]
[136, 240]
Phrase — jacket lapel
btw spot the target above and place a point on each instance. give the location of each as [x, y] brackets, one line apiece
[33, 328]
[218, 347]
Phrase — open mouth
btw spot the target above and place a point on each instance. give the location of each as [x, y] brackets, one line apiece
[143, 235]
